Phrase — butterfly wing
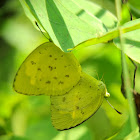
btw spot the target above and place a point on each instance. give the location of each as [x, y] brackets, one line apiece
[47, 70]
[79, 104]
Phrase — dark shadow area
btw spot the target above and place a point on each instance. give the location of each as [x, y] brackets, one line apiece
[81, 12]
[100, 13]
[6, 63]
[132, 42]
[58, 18]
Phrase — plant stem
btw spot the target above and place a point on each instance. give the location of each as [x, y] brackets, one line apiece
[108, 36]
[127, 84]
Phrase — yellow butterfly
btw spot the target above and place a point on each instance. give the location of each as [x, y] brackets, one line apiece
[75, 96]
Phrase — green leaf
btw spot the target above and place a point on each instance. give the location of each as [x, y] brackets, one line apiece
[132, 44]
[2, 131]
[125, 133]
[65, 28]
[135, 6]
[129, 26]
[85, 9]
[41, 130]
[107, 4]
[5, 137]
[18, 138]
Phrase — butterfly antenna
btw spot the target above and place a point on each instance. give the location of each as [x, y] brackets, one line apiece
[113, 107]
[97, 74]
[42, 32]
[102, 79]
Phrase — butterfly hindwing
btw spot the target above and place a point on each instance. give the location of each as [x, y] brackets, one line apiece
[78, 104]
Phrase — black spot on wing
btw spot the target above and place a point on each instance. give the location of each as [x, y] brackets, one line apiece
[48, 82]
[51, 68]
[77, 107]
[66, 75]
[33, 63]
[82, 112]
[54, 77]
[39, 69]
[60, 82]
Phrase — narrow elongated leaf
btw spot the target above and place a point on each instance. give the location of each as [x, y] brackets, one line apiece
[130, 26]
[109, 20]
[132, 43]
[65, 28]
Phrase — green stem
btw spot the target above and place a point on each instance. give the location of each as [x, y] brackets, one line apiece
[108, 36]
[127, 84]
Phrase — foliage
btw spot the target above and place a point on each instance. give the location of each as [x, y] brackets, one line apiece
[68, 23]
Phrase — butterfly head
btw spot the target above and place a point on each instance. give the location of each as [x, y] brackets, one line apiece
[102, 87]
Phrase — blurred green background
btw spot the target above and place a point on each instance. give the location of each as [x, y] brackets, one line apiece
[28, 117]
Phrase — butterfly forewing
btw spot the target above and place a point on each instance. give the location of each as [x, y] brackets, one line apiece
[47, 70]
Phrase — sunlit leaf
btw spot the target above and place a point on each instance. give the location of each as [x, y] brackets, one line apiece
[129, 26]
[65, 28]
[132, 44]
